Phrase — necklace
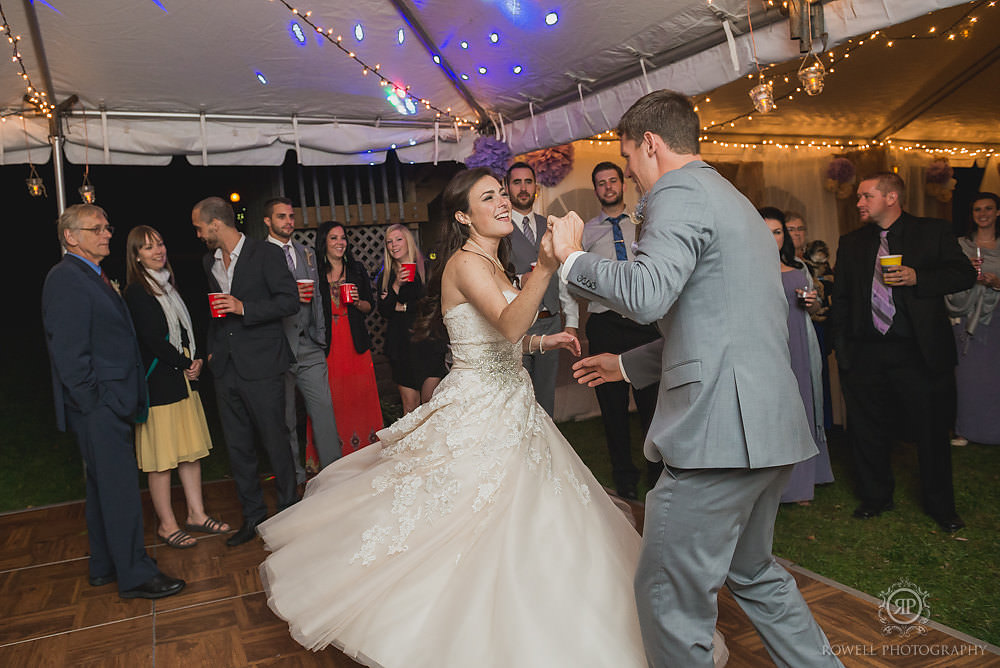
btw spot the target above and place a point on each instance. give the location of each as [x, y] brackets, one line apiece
[482, 252]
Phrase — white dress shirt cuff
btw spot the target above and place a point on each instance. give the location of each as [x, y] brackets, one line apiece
[567, 266]
[621, 367]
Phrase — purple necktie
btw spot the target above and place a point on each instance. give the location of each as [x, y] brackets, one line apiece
[288, 257]
[883, 308]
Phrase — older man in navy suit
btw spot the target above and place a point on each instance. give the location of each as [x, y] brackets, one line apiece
[100, 388]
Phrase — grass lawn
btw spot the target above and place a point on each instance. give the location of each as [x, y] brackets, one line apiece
[39, 465]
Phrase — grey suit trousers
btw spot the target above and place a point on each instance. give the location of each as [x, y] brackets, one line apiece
[309, 374]
[706, 528]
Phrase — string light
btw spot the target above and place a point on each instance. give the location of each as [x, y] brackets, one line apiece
[852, 45]
[407, 98]
[34, 96]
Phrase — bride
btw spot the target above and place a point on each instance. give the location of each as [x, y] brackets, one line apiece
[471, 534]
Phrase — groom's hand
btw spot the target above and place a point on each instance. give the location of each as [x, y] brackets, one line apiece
[598, 369]
[567, 234]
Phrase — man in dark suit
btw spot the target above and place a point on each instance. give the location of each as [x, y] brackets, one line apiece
[306, 334]
[100, 388]
[529, 228]
[248, 355]
[612, 234]
[894, 345]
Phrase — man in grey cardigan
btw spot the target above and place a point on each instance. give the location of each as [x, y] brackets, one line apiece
[706, 273]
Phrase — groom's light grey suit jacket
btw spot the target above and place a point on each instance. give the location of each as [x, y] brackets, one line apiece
[706, 271]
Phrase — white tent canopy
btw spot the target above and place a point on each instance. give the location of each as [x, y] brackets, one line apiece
[159, 78]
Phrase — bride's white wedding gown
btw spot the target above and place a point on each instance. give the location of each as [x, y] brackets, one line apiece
[470, 535]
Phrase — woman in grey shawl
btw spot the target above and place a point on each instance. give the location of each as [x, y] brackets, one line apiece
[977, 332]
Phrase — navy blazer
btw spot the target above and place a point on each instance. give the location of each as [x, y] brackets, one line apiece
[930, 248]
[255, 341]
[92, 344]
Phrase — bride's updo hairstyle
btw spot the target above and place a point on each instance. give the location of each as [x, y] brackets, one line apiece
[429, 323]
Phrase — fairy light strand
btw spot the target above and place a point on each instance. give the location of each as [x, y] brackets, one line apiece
[34, 96]
[947, 34]
[402, 91]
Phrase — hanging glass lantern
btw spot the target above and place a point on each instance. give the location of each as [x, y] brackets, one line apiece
[763, 96]
[811, 76]
[36, 187]
[87, 191]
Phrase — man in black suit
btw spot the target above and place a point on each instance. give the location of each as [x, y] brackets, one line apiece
[894, 345]
[248, 354]
[100, 388]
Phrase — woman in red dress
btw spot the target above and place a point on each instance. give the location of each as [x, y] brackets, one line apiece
[352, 376]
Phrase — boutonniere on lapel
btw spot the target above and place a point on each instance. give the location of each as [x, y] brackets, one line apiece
[309, 258]
[116, 287]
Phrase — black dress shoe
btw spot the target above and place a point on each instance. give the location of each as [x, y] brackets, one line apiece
[951, 524]
[867, 511]
[101, 580]
[246, 533]
[158, 586]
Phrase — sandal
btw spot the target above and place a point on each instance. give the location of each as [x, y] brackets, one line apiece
[210, 525]
[178, 540]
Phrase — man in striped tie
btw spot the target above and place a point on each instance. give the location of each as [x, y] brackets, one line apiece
[894, 345]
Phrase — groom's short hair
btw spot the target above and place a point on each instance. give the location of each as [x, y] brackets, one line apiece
[667, 114]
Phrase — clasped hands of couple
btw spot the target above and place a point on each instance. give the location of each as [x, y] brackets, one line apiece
[564, 236]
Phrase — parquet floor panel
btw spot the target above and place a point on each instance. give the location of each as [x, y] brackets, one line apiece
[50, 616]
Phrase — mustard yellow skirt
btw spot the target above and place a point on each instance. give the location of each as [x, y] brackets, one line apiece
[173, 433]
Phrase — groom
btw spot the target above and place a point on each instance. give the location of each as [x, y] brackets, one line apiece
[706, 272]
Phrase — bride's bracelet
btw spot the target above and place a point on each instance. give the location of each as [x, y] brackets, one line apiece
[541, 345]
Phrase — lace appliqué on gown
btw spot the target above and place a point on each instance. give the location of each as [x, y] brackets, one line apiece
[457, 447]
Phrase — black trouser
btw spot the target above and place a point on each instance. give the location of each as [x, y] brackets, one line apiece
[609, 332]
[889, 380]
[245, 405]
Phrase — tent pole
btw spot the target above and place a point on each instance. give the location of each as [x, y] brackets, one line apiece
[57, 164]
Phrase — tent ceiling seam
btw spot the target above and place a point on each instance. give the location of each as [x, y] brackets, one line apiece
[432, 50]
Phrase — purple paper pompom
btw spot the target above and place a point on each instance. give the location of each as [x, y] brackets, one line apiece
[490, 153]
[551, 165]
[938, 172]
[841, 170]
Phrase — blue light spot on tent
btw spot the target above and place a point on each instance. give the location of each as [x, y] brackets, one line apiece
[297, 33]
[359, 32]
[410, 106]
[58, 12]
[465, 77]
[494, 37]
[155, 2]
[413, 142]
[518, 69]
[551, 18]
[400, 37]
[482, 70]
[261, 78]
[437, 59]
[464, 44]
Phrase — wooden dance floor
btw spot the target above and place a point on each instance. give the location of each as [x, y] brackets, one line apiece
[50, 616]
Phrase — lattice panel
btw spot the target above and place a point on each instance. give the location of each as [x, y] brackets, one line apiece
[367, 242]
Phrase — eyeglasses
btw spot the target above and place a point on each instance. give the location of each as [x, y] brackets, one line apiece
[99, 229]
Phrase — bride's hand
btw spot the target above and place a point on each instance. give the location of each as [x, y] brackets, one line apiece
[563, 340]
[546, 253]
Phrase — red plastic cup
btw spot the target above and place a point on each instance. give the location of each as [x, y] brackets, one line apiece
[212, 304]
[306, 287]
[346, 293]
[408, 272]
